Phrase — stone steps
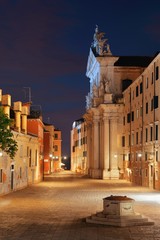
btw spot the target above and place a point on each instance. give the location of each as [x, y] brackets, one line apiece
[119, 221]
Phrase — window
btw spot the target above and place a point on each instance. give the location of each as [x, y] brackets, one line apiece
[137, 91]
[146, 107]
[128, 118]
[84, 153]
[79, 130]
[123, 120]
[145, 156]
[147, 82]
[141, 111]
[136, 137]
[141, 87]
[129, 140]
[156, 156]
[21, 151]
[151, 133]
[146, 134]
[129, 156]
[155, 102]
[55, 148]
[156, 137]
[132, 115]
[123, 141]
[152, 77]
[141, 135]
[1, 175]
[27, 151]
[132, 138]
[157, 73]
[55, 136]
[137, 113]
[140, 172]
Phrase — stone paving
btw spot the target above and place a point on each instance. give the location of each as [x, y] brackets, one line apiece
[56, 209]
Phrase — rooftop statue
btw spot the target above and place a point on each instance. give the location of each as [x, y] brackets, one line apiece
[100, 43]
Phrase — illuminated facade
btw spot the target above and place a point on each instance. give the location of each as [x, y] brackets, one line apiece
[118, 144]
[17, 173]
[79, 146]
[48, 148]
[35, 127]
[141, 124]
[57, 154]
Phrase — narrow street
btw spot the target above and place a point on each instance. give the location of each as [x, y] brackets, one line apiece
[57, 208]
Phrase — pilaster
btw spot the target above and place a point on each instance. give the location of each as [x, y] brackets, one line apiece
[113, 148]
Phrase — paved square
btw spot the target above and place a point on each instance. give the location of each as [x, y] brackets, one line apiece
[56, 210]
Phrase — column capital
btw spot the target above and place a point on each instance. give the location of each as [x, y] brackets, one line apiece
[105, 118]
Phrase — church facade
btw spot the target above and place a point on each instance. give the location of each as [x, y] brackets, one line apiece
[110, 116]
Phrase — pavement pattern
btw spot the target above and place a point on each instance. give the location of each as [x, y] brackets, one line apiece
[56, 209]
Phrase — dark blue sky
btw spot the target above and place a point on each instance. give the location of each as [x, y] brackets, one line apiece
[44, 45]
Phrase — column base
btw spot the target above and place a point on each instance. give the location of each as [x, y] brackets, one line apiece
[106, 174]
[95, 173]
[114, 174]
[110, 174]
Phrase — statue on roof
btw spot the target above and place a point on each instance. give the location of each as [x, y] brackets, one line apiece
[100, 43]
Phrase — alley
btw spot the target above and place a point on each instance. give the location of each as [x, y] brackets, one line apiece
[56, 210]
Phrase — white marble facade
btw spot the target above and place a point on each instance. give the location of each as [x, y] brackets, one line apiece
[104, 112]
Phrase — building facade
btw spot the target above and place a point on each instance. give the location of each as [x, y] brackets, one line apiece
[112, 104]
[48, 149]
[79, 146]
[23, 170]
[141, 124]
[57, 154]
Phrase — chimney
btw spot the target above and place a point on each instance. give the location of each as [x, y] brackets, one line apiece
[17, 109]
[24, 119]
[6, 103]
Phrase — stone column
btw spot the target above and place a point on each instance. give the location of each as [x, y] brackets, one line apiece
[95, 148]
[101, 145]
[89, 156]
[113, 149]
[106, 139]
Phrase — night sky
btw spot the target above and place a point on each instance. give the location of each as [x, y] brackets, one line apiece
[44, 46]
